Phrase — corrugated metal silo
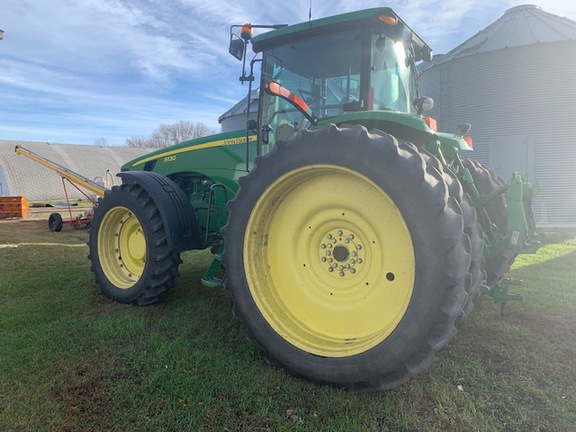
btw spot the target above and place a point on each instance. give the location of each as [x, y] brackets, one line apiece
[235, 118]
[515, 82]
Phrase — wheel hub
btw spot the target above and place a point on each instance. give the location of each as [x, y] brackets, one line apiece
[342, 252]
[122, 247]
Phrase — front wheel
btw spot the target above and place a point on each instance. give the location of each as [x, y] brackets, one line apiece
[131, 259]
[346, 258]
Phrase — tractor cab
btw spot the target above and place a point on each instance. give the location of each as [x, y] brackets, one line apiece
[325, 70]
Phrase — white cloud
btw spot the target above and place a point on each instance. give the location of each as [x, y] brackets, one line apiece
[116, 68]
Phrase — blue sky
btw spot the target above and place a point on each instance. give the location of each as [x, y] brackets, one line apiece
[74, 71]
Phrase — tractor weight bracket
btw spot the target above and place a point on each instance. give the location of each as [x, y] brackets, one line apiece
[521, 223]
[501, 295]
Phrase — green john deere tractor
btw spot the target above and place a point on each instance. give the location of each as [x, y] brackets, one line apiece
[353, 236]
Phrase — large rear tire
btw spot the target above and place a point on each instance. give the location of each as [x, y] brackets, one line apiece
[476, 272]
[131, 259]
[486, 182]
[346, 258]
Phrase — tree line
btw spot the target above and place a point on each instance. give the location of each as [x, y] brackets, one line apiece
[169, 134]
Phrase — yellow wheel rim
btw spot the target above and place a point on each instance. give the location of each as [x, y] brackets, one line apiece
[329, 260]
[121, 247]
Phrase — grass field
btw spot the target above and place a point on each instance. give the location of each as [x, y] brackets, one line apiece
[71, 360]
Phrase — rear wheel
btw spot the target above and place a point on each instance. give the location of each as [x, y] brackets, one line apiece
[487, 182]
[476, 272]
[130, 256]
[346, 258]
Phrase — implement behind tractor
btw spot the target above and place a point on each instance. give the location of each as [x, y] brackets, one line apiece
[353, 236]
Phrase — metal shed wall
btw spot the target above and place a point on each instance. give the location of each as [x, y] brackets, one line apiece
[521, 104]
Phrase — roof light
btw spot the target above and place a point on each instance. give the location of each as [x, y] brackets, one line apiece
[246, 32]
[463, 128]
[387, 19]
[423, 104]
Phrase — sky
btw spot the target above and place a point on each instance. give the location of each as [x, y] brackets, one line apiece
[93, 71]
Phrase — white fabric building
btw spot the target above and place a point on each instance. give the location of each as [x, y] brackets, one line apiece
[21, 176]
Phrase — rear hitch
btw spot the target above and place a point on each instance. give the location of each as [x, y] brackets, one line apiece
[501, 295]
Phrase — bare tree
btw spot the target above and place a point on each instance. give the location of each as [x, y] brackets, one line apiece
[102, 142]
[137, 141]
[169, 134]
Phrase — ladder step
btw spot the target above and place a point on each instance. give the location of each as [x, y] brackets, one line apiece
[211, 282]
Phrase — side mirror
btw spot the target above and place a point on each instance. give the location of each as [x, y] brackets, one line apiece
[236, 47]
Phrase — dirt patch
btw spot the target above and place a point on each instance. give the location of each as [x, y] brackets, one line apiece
[85, 395]
[102, 306]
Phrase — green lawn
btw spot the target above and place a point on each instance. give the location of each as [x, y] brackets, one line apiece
[71, 360]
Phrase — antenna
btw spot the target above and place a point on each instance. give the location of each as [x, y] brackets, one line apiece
[310, 12]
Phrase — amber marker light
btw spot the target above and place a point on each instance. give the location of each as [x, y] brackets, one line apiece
[246, 32]
[431, 122]
[469, 142]
[387, 19]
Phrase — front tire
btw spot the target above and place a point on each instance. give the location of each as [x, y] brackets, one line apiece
[129, 251]
[346, 258]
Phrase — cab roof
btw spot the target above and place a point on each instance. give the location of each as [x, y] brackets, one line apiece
[348, 21]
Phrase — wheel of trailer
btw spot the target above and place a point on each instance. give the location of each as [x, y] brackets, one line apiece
[55, 222]
[130, 257]
[346, 259]
[487, 182]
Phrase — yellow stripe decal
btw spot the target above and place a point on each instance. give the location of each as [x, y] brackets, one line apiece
[211, 144]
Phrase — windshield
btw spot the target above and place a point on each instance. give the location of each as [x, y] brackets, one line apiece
[327, 74]
[392, 79]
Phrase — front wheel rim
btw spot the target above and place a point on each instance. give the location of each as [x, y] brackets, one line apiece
[329, 260]
[122, 247]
